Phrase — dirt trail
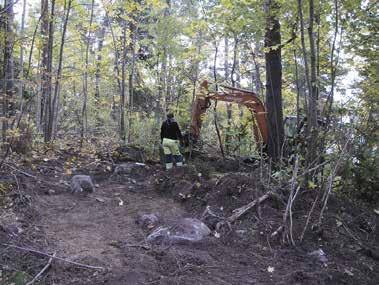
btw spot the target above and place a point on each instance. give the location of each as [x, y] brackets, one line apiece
[100, 230]
[94, 227]
[96, 230]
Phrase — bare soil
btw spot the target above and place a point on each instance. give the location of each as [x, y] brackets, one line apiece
[99, 229]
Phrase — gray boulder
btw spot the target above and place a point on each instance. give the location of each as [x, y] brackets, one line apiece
[185, 230]
[81, 183]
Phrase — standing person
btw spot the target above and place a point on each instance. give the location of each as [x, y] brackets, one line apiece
[170, 137]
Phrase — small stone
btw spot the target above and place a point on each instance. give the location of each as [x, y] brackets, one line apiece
[320, 254]
[348, 272]
[148, 221]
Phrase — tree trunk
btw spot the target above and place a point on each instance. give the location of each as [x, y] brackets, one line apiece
[313, 98]
[8, 84]
[98, 59]
[60, 64]
[256, 80]
[116, 52]
[274, 81]
[123, 81]
[21, 76]
[236, 79]
[132, 47]
[215, 105]
[228, 105]
[46, 65]
[85, 83]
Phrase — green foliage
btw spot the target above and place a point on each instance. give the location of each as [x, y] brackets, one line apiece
[175, 49]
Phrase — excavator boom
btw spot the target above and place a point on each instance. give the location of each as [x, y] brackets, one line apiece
[233, 95]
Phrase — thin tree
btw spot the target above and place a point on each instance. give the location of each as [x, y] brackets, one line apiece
[85, 76]
[8, 70]
[21, 76]
[312, 83]
[67, 6]
[47, 33]
[123, 82]
[100, 45]
[229, 112]
[314, 90]
[133, 30]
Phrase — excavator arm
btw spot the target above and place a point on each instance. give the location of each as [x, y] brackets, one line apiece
[232, 95]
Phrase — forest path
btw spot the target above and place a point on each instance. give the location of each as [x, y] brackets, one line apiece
[100, 230]
[94, 227]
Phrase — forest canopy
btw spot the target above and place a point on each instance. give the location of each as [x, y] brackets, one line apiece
[111, 70]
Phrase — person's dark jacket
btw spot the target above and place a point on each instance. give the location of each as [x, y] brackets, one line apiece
[170, 130]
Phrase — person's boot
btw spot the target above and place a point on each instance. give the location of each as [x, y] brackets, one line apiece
[169, 162]
[178, 160]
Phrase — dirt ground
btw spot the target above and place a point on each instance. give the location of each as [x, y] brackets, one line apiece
[100, 230]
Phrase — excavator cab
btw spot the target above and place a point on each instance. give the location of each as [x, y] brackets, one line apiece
[249, 99]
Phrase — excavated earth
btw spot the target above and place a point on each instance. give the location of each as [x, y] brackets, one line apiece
[100, 230]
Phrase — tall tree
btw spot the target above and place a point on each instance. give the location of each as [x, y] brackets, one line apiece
[47, 33]
[8, 69]
[85, 76]
[123, 82]
[312, 82]
[274, 80]
[100, 45]
[313, 89]
[21, 60]
[55, 107]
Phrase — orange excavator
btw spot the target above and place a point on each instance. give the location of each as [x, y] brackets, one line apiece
[233, 95]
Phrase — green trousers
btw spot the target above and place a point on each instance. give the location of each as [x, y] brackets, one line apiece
[171, 151]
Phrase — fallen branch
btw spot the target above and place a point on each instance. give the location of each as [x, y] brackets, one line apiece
[242, 210]
[52, 256]
[143, 246]
[20, 171]
[42, 271]
[278, 231]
